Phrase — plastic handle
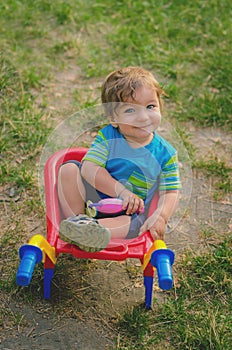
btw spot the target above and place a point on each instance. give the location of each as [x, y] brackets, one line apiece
[109, 206]
[163, 259]
[30, 255]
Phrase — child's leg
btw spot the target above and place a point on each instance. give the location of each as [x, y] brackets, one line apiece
[118, 226]
[71, 191]
[90, 234]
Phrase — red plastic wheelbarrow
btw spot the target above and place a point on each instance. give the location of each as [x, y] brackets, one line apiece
[47, 250]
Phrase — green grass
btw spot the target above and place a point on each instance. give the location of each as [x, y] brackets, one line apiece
[24, 129]
[187, 45]
[221, 173]
[196, 316]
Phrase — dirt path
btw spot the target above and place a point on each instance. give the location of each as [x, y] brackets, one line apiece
[86, 303]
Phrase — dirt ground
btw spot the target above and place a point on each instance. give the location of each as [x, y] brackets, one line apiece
[83, 311]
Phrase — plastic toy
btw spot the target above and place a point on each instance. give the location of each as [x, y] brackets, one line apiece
[47, 250]
[107, 206]
[162, 259]
[30, 254]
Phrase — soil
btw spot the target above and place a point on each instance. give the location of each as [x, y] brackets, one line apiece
[84, 309]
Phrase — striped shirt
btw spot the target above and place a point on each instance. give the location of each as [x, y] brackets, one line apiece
[141, 170]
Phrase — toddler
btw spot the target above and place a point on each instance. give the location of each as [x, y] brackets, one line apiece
[127, 160]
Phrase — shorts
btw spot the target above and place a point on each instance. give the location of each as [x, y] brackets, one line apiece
[93, 195]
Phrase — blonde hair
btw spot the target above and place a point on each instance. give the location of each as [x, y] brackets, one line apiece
[120, 85]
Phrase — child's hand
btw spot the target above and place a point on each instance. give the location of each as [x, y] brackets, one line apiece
[156, 225]
[131, 202]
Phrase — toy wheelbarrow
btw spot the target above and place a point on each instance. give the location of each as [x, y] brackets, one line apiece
[152, 254]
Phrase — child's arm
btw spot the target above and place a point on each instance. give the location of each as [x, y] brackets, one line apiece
[100, 178]
[157, 222]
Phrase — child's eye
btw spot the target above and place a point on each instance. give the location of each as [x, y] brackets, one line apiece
[151, 106]
[130, 110]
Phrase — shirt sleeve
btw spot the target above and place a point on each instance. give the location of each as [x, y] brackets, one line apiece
[98, 152]
[170, 177]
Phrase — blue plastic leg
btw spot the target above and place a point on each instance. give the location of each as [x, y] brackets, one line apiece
[48, 274]
[148, 283]
[163, 259]
[30, 255]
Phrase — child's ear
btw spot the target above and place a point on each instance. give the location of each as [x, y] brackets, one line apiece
[112, 122]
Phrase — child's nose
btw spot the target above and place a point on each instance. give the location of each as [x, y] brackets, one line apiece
[142, 115]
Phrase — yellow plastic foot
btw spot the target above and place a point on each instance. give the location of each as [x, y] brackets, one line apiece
[41, 242]
[158, 244]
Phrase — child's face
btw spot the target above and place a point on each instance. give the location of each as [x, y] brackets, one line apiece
[137, 118]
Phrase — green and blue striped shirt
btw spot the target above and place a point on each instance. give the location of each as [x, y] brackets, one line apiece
[141, 170]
